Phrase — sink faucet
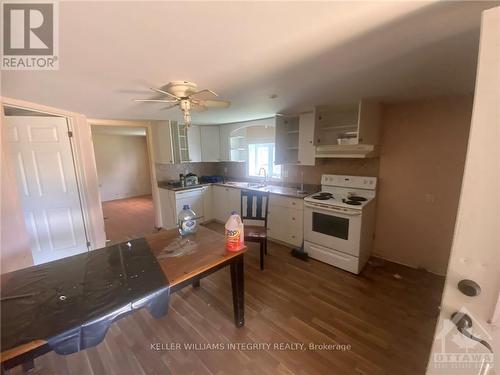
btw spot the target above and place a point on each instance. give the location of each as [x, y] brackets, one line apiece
[265, 174]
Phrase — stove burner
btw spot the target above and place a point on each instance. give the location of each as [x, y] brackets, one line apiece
[322, 197]
[357, 199]
[351, 202]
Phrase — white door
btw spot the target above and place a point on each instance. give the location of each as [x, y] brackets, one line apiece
[41, 150]
[475, 254]
[210, 143]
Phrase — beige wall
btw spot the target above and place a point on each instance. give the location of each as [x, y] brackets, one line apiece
[421, 164]
[122, 165]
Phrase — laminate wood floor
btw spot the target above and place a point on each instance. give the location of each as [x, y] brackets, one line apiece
[128, 218]
[388, 323]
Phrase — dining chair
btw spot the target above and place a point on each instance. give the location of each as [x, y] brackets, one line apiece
[254, 206]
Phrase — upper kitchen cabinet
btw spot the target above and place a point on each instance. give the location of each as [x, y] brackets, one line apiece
[180, 142]
[194, 143]
[210, 143]
[295, 139]
[347, 131]
[162, 142]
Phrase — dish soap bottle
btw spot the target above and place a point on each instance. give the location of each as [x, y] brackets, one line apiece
[187, 221]
[234, 232]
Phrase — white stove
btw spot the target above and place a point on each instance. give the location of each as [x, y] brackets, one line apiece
[339, 221]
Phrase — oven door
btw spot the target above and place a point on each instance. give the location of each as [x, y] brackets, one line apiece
[333, 228]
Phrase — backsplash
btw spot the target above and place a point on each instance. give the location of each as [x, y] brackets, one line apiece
[167, 172]
[291, 173]
[312, 174]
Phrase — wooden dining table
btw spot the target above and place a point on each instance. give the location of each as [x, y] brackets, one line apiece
[205, 254]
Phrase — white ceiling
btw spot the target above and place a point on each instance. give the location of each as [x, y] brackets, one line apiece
[307, 53]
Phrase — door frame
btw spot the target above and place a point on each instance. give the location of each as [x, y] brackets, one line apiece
[86, 174]
[155, 192]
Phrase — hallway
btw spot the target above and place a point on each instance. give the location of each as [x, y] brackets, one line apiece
[128, 218]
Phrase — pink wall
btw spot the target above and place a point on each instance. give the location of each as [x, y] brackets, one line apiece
[422, 159]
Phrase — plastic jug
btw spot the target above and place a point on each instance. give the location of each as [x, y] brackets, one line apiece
[187, 222]
[234, 232]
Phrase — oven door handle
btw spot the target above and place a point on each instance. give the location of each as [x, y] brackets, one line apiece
[332, 209]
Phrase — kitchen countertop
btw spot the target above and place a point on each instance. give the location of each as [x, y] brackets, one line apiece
[272, 189]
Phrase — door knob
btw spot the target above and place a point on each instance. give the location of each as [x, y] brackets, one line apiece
[463, 323]
[469, 288]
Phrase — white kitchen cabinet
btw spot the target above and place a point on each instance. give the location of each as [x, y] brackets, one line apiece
[295, 139]
[180, 142]
[285, 220]
[208, 199]
[194, 143]
[167, 205]
[162, 142]
[347, 131]
[225, 136]
[210, 143]
[225, 200]
[307, 150]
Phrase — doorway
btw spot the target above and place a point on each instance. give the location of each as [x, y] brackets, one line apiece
[123, 170]
[42, 156]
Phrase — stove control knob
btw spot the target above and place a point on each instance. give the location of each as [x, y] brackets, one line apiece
[469, 288]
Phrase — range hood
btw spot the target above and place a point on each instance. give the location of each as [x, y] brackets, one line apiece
[346, 151]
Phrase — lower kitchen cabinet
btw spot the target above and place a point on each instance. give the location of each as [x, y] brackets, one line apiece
[285, 220]
[225, 200]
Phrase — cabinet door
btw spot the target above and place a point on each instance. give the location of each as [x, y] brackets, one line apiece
[276, 224]
[306, 139]
[220, 202]
[162, 142]
[168, 208]
[234, 201]
[210, 143]
[280, 141]
[194, 143]
[208, 203]
[225, 132]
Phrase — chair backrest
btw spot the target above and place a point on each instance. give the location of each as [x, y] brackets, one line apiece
[254, 205]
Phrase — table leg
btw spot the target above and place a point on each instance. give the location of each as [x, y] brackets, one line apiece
[237, 283]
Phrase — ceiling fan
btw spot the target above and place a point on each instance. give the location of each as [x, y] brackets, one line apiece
[187, 96]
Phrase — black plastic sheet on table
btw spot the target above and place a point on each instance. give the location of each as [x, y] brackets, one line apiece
[71, 302]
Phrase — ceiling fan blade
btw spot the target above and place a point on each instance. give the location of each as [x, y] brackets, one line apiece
[170, 106]
[164, 92]
[155, 100]
[202, 91]
[213, 103]
[198, 108]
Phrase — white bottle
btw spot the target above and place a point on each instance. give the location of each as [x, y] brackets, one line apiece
[234, 232]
